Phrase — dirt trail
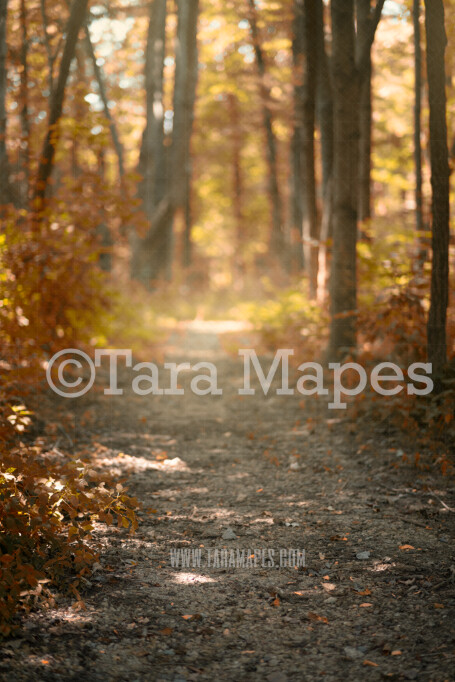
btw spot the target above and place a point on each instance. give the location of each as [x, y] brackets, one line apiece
[376, 596]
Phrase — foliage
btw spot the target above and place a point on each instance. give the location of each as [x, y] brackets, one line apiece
[289, 319]
[49, 506]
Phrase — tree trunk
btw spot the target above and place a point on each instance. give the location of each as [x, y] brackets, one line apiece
[346, 144]
[186, 72]
[418, 132]
[363, 8]
[310, 219]
[5, 187]
[324, 105]
[436, 44]
[277, 245]
[75, 22]
[147, 256]
[350, 56]
[237, 192]
[166, 185]
[24, 155]
[297, 179]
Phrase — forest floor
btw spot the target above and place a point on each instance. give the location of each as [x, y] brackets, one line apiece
[375, 598]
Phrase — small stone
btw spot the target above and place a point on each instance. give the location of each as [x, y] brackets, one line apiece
[229, 534]
[362, 556]
[352, 653]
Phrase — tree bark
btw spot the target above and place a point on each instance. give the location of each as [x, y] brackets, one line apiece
[418, 119]
[346, 144]
[74, 24]
[363, 9]
[277, 245]
[237, 191]
[350, 54]
[324, 107]
[24, 156]
[147, 257]
[310, 219]
[297, 177]
[436, 44]
[186, 72]
[5, 187]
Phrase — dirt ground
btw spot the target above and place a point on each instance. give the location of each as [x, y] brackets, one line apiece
[374, 599]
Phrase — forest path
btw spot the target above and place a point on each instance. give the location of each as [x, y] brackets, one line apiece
[376, 595]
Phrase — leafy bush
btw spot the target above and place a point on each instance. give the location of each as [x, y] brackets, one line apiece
[49, 505]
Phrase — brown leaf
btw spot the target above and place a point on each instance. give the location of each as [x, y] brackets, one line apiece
[167, 631]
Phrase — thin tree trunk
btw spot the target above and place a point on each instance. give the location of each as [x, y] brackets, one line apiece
[186, 65]
[24, 156]
[418, 130]
[5, 187]
[147, 258]
[298, 188]
[436, 44]
[346, 145]
[277, 245]
[237, 190]
[75, 22]
[324, 104]
[363, 8]
[310, 220]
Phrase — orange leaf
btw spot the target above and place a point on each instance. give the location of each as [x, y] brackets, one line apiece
[166, 631]
[396, 652]
[406, 547]
[365, 605]
[276, 602]
[370, 663]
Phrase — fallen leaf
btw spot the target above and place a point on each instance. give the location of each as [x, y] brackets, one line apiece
[439, 606]
[396, 652]
[365, 605]
[406, 547]
[276, 602]
[167, 631]
[370, 663]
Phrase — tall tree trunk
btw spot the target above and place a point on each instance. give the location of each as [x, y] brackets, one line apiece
[418, 129]
[5, 187]
[346, 144]
[166, 184]
[277, 245]
[324, 105]
[310, 219]
[297, 178]
[237, 191]
[363, 9]
[147, 256]
[74, 24]
[350, 55]
[436, 44]
[24, 156]
[186, 72]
